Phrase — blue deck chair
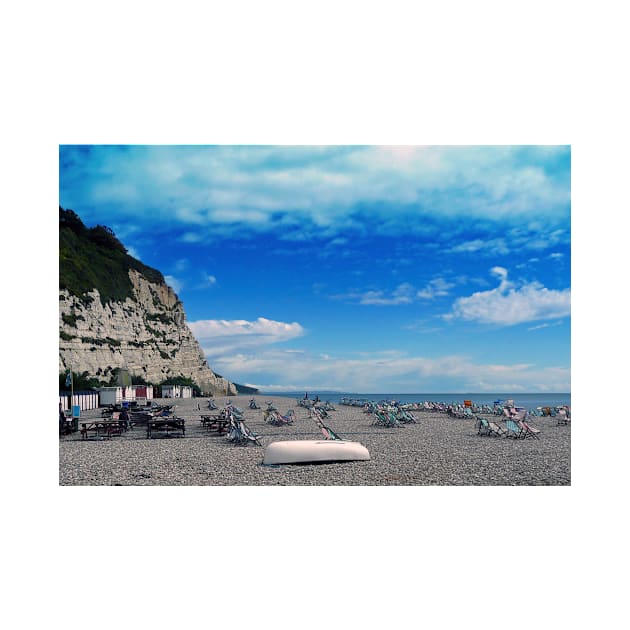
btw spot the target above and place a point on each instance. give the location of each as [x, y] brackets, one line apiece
[513, 430]
[487, 427]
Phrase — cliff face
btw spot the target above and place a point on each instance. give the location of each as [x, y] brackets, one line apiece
[145, 334]
[116, 312]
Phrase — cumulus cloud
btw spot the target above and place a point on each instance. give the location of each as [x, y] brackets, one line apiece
[220, 336]
[509, 304]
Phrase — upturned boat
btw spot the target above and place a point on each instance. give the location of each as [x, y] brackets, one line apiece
[309, 451]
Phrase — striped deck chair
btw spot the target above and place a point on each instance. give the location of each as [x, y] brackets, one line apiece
[513, 430]
[239, 433]
[327, 432]
[528, 431]
[486, 427]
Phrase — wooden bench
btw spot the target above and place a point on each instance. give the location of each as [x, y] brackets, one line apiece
[216, 423]
[166, 425]
[102, 428]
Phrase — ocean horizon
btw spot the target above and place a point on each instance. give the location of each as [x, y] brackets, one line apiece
[529, 401]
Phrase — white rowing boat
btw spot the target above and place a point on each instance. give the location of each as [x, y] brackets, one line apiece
[305, 451]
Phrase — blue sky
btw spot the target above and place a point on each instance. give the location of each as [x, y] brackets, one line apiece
[356, 268]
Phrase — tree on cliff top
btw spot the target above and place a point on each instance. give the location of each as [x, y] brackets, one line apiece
[93, 258]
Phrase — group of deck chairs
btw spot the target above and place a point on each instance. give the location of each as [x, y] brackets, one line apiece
[310, 403]
[516, 425]
[238, 432]
[273, 416]
[389, 415]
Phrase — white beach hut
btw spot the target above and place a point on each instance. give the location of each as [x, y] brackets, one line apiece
[170, 391]
[110, 395]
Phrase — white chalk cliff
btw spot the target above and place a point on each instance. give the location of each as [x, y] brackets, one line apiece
[146, 334]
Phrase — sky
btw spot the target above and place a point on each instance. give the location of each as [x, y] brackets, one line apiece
[355, 268]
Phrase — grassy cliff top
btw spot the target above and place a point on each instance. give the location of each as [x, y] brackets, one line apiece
[93, 258]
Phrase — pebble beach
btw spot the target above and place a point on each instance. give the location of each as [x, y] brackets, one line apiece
[437, 450]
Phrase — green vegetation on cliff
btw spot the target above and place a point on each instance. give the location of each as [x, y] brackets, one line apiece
[93, 258]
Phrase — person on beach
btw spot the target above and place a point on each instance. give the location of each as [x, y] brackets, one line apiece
[62, 419]
[124, 418]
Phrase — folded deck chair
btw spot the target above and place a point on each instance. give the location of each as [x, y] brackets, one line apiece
[327, 432]
[239, 433]
[248, 434]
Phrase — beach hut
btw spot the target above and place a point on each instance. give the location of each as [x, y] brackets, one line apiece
[170, 391]
[110, 395]
[129, 392]
[144, 391]
[185, 391]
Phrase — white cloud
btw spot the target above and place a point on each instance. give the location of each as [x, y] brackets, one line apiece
[176, 284]
[385, 371]
[404, 293]
[132, 251]
[237, 186]
[246, 352]
[545, 325]
[508, 305]
[220, 336]
[437, 287]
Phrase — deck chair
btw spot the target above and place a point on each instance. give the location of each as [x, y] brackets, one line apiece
[513, 430]
[277, 419]
[247, 434]
[327, 432]
[563, 417]
[404, 416]
[486, 427]
[528, 431]
[384, 418]
[483, 428]
[239, 433]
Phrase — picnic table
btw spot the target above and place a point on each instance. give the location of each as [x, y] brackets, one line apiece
[102, 428]
[66, 426]
[166, 425]
[215, 423]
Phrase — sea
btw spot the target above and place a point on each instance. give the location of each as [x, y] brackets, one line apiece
[528, 401]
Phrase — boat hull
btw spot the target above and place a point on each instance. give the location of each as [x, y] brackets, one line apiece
[306, 451]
